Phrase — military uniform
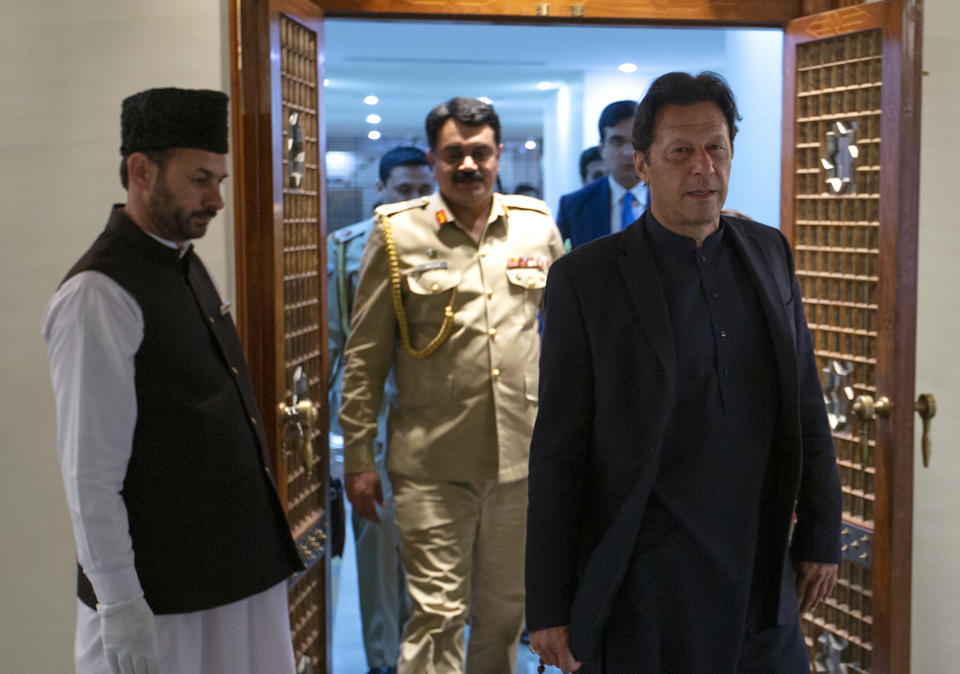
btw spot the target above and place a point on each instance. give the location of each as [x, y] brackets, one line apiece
[382, 588]
[457, 322]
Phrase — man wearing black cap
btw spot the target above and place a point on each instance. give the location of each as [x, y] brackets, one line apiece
[182, 543]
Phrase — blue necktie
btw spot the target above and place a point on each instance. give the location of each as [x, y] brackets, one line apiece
[626, 215]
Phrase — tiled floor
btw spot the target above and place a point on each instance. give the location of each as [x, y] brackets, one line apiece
[348, 657]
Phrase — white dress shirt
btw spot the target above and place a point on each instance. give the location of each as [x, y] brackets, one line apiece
[616, 202]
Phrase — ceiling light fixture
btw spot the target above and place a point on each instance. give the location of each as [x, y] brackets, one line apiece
[543, 86]
[373, 119]
[374, 135]
[371, 100]
[628, 67]
[530, 144]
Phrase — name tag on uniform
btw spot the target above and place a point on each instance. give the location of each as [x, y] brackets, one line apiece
[528, 262]
[420, 268]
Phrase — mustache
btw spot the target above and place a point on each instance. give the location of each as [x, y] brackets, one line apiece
[467, 177]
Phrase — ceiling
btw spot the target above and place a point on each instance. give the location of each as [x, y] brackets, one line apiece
[413, 66]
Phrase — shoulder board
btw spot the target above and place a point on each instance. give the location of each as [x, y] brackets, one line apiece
[521, 201]
[392, 209]
[351, 232]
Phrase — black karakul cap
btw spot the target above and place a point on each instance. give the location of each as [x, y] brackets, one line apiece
[157, 119]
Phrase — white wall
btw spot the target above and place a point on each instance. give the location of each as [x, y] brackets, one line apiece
[64, 68]
[935, 647]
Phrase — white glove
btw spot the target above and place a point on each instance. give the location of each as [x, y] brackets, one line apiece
[129, 635]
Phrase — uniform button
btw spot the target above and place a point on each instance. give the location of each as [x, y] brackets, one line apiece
[726, 372]
[531, 282]
[253, 421]
[496, 372]
[235, 370]
[703, 258]
[483, 254]
[435, 287]
[492, 332]
[489, 292]
[714, 294]
[210, 318]
[723, 333]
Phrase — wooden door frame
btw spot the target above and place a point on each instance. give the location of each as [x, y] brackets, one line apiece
[257, 187]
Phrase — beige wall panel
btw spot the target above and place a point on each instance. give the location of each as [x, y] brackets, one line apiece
[936, 533]
[64, 68]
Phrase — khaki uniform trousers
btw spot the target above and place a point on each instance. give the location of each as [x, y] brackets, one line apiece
[463, 551]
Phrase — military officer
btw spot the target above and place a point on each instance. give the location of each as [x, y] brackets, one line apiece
[448, 298]
[404, 174]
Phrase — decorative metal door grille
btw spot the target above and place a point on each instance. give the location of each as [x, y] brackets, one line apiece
[302, 334]
[836, 246]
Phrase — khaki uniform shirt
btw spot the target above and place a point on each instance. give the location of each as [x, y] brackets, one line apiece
[466, 411]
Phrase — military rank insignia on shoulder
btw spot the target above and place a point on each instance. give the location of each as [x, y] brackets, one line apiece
[523, 202]
[386, 210]
[345, 234]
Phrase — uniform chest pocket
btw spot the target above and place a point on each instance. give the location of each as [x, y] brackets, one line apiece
[526, 286]
[429, 293]
[531, 278]
[432, 281]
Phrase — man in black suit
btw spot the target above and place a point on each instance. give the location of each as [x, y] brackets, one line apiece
[610, 203]
[681, 428]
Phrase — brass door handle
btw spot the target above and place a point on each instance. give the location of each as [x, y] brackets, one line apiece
[926, 407]
[301, 415]
[865, 409]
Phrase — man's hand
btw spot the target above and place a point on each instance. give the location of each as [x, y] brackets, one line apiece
[553, 648]
[815, 582]
[129, 635]
[365, 491]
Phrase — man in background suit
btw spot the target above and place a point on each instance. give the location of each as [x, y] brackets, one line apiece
[591, 165]
[612, 202]
[681, 428]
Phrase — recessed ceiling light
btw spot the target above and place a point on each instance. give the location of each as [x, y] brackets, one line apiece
[371, 100]
[374, 135]
[530, 144]
[326, 82]
[485, 100]
[628, 67]
[373, 119]
[543, 86]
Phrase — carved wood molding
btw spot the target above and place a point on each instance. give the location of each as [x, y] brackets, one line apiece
[730, 12]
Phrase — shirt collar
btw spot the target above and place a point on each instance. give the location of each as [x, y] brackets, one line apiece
[617, 191]
[442, 215]
[664, 238]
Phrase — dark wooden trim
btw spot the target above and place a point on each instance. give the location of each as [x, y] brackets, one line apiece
[896, 342]
[727, 12]
[788, 133]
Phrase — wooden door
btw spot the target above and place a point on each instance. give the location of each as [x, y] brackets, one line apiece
[856, 255]
[849, 207]
[278, 150]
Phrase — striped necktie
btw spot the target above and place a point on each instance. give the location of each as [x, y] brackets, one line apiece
[626, 215]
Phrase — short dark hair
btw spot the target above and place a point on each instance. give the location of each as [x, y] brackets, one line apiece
[158, 157]
[469, 111]
[615, 113]
[591, 154]
[400, 156]
[682, 89]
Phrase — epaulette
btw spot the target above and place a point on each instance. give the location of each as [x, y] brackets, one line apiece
[345, 234]
[521, 201]
[386, 210]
